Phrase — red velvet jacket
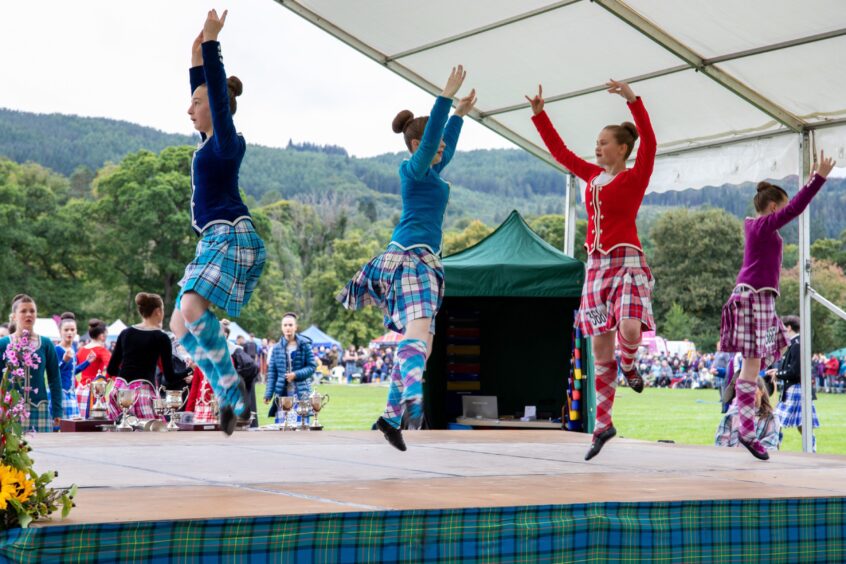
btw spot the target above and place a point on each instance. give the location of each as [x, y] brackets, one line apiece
[612, 209]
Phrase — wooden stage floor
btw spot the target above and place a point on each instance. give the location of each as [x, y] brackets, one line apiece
[169, 476]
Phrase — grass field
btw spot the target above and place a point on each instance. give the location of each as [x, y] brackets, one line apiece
[683, 416]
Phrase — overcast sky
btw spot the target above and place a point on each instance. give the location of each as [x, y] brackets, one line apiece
[129, 61]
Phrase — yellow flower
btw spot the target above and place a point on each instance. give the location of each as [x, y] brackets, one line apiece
[8, 485]
[23, 486]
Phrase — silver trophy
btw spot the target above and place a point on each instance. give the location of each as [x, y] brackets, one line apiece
[318, 401]
[99, 409]
[173, 402]
[126, 399]
[303, 409]
[285, 404]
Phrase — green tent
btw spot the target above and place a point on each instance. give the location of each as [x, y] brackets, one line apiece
[513, 261]
[505, 327]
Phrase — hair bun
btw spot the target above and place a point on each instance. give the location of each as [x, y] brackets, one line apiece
[95, 323]
[402, 120]
[68, 316]
[631, 128]
[234, 84]
[763, 185]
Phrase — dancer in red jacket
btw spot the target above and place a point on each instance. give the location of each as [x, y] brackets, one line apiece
[616, 298]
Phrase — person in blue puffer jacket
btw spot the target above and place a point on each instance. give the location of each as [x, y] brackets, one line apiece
[292, 363]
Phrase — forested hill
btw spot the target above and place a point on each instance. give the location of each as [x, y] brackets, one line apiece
[487, 184]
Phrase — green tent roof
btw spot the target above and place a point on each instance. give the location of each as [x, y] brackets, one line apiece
[513, 261]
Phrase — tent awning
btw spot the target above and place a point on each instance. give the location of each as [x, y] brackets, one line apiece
[318, 337]
[513, 261]
[710, 73]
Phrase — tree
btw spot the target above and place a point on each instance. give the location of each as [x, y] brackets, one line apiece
[829, 332]
[677, 325]
[141, 228]
[455, 241]
[697, 257]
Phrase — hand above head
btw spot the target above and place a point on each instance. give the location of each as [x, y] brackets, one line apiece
[466, 104]
[824, 166]
[537, 102]
[213, 25]
[621, 88]
[197, 51]
[454, 82]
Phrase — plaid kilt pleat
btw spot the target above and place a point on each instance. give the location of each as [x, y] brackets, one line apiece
[789, 411]
[617, 286]
[144, 394]
[405, 284]
[40, 420]
[203, 411]
[751, 326]
[70, 405]
[227, 266]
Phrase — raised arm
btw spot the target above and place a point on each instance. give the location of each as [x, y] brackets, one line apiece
[421, 160]
[800, 201]
[453, 129]
[555, 144]
[195, 74]
[225, 140]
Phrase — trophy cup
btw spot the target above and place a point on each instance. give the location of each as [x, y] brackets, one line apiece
[174, 402]
[159, 406]
[318, 402]
[303, 409]
[126, 398]
[285, 404]
[97, 389]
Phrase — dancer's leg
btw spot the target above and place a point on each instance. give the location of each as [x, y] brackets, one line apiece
[393, 410]
[745, 392]
[629, 336]
[199, 331]
[605, 374]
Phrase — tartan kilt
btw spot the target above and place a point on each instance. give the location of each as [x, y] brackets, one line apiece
[39, 418]
[70, 405]
[789, 411]
[144, 394]
[203, 412]
[82, 398]
[751, 326]
[405, 285]
[617, 286]
[227, 266]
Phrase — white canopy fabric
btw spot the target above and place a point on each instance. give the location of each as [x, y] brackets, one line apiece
[46, 327]
[710, 73]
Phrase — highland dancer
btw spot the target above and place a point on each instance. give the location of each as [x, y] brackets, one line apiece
[616, 299]
[750, 325]
[230, 254]
[407, 280]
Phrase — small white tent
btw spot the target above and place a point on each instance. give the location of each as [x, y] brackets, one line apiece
[46, 327]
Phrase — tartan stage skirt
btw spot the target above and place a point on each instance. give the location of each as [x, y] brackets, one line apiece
[144, 394]
[789, 411]
[751, 327]
[405, 284]
[70, 405]
[227, 266]
[617, 286]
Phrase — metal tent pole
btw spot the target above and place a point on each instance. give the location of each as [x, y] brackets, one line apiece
[806, 340]
[570, 215]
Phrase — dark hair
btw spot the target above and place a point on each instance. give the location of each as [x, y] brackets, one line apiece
[768, 193]
[235, 88]
[290, 314]
[148, 303]
[791, 321]
[624, 134]
[410, 126]
[766, 408]
[96, 327]
[67, 316]
[226, 330]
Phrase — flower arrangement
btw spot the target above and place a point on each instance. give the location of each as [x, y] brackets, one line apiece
[24, 495]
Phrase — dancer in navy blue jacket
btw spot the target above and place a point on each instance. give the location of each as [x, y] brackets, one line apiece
[230, 255]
